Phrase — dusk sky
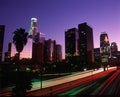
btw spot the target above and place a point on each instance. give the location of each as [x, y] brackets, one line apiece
[55, 16]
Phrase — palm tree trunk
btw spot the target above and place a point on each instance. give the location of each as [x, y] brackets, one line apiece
[18, 55]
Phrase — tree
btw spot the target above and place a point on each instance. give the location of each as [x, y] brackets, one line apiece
[21, 79]
[20, 39]
[23, 82]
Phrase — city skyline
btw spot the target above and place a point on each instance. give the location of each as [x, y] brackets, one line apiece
[55, 16]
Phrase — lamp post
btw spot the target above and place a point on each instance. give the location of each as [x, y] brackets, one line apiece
[41, 82]
[41, 77]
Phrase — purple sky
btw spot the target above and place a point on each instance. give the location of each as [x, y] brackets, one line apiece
[55, 16]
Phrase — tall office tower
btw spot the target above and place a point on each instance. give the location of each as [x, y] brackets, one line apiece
[71, 43]
[42, 38]
[2, 30]
[33, 33]
[86, 46]
[49, 51]
[104, 47]
[7, 56]
[114, 49]
[38, 53]
[58, 53]
[54, 51]
[97, 55]
[9, 47]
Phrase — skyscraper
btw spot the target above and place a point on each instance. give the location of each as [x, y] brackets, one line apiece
[42, 38]
[33, 33]
[2, 30]
[38, 40]
[104, 47]
[97, 55]
[114, 49]
[7, 55]
[71, 43]
[32, 37]
[38, 53]
[58, 53]
[49, 53]
[35, 44]
[86, 46]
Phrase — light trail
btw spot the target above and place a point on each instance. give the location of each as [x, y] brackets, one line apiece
[109, 81]
[62, 80]
[70, 84]
[77, 90]
[68, 78]
[86, 88]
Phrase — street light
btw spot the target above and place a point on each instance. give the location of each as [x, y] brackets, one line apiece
[84, 69]
[41, 77]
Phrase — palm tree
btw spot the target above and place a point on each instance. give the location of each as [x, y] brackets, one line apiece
[21, 79]
[20, 40]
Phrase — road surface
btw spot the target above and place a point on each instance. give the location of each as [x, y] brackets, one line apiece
[52, 85]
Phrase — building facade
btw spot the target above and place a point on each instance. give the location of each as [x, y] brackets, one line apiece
[97, 56]
[86, 45]
[71, 43]
[33, 29]
[2, 31]
[38, 53]
[7, 55]
[104, 47]
[42, 38]
[58, 53]
[49, 51]
[114, 49]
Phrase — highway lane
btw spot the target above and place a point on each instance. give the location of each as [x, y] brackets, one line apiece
[112, 85]
[65, 79]
[69, 85]
[46, 83]
[109, 84]
[86, 88]
[58, 81]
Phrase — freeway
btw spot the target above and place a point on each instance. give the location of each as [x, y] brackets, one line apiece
[53, 84]
[68, 78]
[107, 84]
[66, 83]
[85, 88]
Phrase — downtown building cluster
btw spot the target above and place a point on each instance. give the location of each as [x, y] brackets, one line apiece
[107, 52]
[37, 48]
[79, 47]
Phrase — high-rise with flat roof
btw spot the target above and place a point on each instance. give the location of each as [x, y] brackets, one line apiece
[85, 44]
[71, 43]
[2, 30]
[38, 53]
[42, 38]
[49, 51]
[58, 52]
